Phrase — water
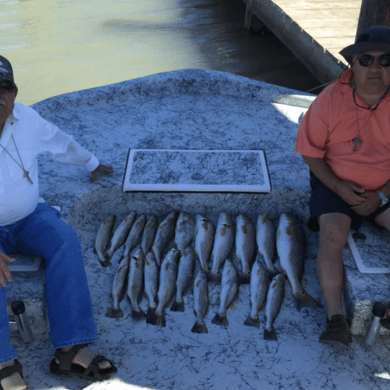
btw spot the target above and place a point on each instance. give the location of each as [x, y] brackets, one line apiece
[58, 46]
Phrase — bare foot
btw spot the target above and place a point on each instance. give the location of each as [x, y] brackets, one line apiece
[85, 357]
[13, 382]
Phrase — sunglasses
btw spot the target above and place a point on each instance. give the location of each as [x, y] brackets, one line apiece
[368, 59]
[7, 86]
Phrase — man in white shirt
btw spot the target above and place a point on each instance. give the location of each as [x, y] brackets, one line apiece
[35, 228]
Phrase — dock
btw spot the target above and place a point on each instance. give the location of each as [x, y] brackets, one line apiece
[314, 30]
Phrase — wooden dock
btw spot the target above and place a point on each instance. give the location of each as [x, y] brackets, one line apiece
[314, 30]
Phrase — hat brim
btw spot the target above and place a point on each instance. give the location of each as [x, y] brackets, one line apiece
[358, 48]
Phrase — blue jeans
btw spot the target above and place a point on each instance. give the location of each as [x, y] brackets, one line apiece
[67, 295]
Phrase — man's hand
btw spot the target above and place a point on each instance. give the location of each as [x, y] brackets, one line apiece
[369, 205]
[101, 168]
[347, 192]
[4, 271]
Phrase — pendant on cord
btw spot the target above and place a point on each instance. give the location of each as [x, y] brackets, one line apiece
[27, 176]
[356, 141]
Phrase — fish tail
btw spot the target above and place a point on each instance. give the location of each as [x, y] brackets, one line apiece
[303, 299]
[199, 327]
[220, 319]
[177, 306]
[150, 312]
[252, 322]
[245, 277]
[138, 314]
[269, 334]
[156, 320]
[114, 313]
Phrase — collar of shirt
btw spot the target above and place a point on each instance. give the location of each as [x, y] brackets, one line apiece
[7, 131]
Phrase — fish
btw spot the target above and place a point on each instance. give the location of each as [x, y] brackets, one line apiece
[204, 239]
[290, 244]
[121, 234]
[102, 238]
[274, 302]
[266, 242]
[229, 288]
[165, 233]
[149, 233]
[151, 281]
[201, 302]
[223, 243]
[245, 245]
[184, 232]
[134, 235]
[119, 288]
[166, 289]
[185, 276]
[258, 290]
[136, 281]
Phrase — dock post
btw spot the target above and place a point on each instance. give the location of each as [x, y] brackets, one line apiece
[373, 13]
[252, 23]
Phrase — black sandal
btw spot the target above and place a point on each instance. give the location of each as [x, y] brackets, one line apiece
[91, 373]
[9, 370]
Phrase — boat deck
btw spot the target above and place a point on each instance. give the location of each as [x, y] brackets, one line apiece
[208, 110]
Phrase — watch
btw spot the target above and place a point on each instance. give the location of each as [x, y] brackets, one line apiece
[384, 198]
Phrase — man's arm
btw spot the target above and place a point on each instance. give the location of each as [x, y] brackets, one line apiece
[344, 189]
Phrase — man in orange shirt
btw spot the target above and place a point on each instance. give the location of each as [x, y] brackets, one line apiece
[345, 140]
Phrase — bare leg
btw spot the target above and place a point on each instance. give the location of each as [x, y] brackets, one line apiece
[85, 357]
[334, 230]
[13, 382]
[383, 219]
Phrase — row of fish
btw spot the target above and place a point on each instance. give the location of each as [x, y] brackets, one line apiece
[177, 268]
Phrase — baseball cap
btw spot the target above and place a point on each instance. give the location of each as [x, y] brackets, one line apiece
[6, 72]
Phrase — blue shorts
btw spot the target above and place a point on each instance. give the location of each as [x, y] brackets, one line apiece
[323, 201]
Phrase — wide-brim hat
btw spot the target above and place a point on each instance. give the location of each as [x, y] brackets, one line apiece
[371, 38]
[6, 72]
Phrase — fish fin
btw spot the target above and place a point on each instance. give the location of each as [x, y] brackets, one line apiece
[303, 299]
[138, 315]
[199, 327]
[245, 277]
[114, 313]
[252, 322]
[177, 306]
[270, 335]
[220, 320]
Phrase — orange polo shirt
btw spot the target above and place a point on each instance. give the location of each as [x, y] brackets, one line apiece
[333, 121]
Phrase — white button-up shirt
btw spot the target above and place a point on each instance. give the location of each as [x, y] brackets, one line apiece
[33, 135]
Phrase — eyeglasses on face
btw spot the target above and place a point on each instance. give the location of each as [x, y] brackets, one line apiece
[7, 86]
[368, 59]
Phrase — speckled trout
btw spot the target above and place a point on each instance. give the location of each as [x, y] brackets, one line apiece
[266, 242]
[204, 239]
[290, 244]
[223, 243]
[102, 238]
[245, 245]
[120, 235]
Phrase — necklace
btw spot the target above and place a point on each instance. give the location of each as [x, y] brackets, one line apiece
[356, 141]
[25, 173]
